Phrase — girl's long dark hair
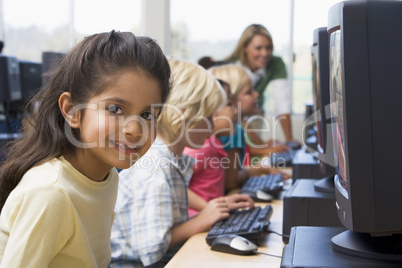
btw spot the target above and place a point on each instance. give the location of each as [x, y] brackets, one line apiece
[84, 72]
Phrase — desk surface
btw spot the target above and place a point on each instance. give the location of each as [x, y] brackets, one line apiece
[197, 253]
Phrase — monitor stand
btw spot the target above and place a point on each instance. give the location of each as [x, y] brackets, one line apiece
[366, 246]
[325, 185]
[311, 247]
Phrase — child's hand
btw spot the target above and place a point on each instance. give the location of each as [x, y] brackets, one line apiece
[280, 148]
[239, 201]
[216, 209]
[261, 169]
[285, 176]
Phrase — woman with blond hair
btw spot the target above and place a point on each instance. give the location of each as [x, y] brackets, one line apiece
[254, 52]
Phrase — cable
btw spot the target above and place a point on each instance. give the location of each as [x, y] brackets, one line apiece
[283, 235]
[271, 255]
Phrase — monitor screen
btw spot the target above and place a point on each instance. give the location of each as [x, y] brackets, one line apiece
[336, 97]
[316, 92]
[322, 115]
[321, 99]
[365, 93]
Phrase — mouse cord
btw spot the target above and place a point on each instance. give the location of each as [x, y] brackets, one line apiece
[287, 236]
[271, 255]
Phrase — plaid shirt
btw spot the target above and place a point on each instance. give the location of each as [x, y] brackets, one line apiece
[152, 198]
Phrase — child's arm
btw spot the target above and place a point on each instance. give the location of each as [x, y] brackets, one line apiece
[265, 150]
[259, 147]
[286, 126]
[236, 175]
[215, 210]
[194, 201]
[257, 170]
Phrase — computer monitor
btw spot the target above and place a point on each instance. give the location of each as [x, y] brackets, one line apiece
[31, 79]
[10, 87]
[366, 93]
[322, 114]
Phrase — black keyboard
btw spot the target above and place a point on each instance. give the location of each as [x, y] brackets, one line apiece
[282, 159]
[293, 145]
[249, 223]
[270, 184]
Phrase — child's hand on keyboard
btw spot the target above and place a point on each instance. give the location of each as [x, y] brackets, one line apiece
[285, 176]
[215, 210]
[261, 169]
[239, 201]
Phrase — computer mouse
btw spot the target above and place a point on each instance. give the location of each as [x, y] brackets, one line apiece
[261, 195]
[233, 244]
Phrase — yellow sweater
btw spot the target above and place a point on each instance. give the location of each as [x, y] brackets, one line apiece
[57, 217]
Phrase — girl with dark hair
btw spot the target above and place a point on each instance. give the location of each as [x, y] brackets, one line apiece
[58, 186]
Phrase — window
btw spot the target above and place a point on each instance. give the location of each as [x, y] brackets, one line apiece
[31, 27]
[212, 28]
[308, 15]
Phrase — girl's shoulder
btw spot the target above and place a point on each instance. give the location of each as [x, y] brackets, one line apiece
[45, 173]
[38, 186]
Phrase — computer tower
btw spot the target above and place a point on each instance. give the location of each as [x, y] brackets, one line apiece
[305, 165]
[303, 205]
[31, 78]
[310, 246]
[10, 86]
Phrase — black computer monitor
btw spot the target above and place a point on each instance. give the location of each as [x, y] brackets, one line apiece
[322, 114]
[31, 79]
[366, 97]
[10, 87]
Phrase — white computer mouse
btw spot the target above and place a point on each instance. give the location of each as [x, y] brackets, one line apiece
[263, 196]
[233, 244]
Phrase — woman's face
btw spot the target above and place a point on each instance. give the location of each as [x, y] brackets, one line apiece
[258, 52]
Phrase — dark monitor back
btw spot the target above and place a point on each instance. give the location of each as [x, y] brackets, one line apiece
[10, 87]
[366, 83]
[31, 78]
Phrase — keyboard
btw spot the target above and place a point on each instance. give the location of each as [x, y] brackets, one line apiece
[263, 188]
[250, 223]
[282, 159]
[293, 145]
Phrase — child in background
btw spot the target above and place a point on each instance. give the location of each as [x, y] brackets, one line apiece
[59, 184]
[235, 145]
[152, 205]
[208, 180]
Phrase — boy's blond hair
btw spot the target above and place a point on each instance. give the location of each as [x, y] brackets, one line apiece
[195, 95]
[232, 74]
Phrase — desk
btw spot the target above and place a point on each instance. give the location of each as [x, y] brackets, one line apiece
[197, 253]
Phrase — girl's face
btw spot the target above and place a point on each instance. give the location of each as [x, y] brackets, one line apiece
[258, 52]
[247, 100]
[119, 125]
[225, 117]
